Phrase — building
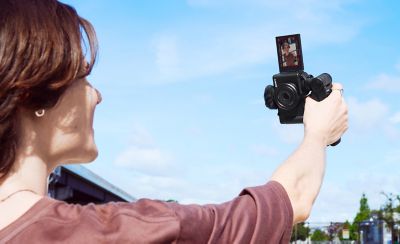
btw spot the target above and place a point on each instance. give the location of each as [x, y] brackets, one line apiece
[372, 231]
[77, 184]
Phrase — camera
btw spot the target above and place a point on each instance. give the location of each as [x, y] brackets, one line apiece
[290, 90]
[292, 85]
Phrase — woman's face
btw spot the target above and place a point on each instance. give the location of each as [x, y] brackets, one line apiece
[68, 126]
[286, 48]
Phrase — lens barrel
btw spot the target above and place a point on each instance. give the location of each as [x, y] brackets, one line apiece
[287, 96]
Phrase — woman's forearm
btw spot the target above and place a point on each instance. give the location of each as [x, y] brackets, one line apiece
[301, 175]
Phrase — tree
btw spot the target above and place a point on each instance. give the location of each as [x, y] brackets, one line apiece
[363, 214]
[388, 211]
[319, 235]
[300, 232]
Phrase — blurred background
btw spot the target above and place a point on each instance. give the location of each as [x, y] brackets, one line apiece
[183, 115]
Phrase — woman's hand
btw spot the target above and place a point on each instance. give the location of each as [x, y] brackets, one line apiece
[326, 120]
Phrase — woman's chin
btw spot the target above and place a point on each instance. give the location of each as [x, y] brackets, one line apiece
[84, 155]
[88, 152]
[90, 155]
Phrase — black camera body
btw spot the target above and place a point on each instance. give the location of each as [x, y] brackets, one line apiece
[292, 85]
[289, 91]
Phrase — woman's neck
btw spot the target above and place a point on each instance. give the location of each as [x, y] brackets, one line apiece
[29, 172]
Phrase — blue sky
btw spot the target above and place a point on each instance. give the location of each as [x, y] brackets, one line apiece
[182, 115]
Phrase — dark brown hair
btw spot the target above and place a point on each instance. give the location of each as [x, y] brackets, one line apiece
[43, 45]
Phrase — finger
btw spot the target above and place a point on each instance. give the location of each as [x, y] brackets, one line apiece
[338, 89]
[310, 100]
[337, 86]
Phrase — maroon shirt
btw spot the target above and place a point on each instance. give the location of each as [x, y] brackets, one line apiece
[260, 214]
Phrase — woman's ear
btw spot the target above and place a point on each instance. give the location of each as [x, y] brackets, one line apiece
[29, 118]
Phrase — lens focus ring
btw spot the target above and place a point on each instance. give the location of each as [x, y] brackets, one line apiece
[286, 96]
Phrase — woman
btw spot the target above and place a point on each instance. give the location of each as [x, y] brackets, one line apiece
[288, 57]
[46, 104]
[46, 113]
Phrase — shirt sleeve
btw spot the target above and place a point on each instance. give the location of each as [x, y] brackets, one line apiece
[261, 214]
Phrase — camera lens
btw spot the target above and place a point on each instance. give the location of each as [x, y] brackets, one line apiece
[286, 96]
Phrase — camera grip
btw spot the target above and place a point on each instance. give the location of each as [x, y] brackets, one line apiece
[269, 94]
[321, 88]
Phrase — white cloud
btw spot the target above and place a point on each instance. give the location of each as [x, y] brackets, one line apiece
[397, 66]
[290, 133]
[372, 116]
[143, 155]
[373, 184]
[167, 55]
[140, 136]
[159, 182]
[392, 132]
[392, 128]
[340, 202]
[335, 203]
[204, 99]
[385, 82]
[364, 116]
[216, 186]
[395, 119]
[219, 52]
[144, 159]
[155, 187]
[393, 157]
[206, 48]
[318, 21]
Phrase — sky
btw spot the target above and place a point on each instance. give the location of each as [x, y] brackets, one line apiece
[182, 82]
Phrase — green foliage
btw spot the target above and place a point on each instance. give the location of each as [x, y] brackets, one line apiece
[319, 235]
[363, 214]
[354, 231]
[300, 232]
[389, 208]
[364, 211]
[388, 211]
